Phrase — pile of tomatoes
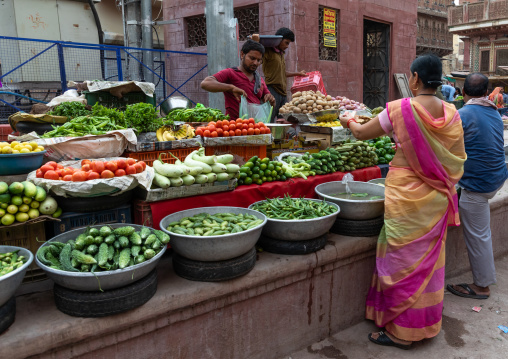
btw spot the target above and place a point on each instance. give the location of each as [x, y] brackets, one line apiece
[91, 170]
[227, 128]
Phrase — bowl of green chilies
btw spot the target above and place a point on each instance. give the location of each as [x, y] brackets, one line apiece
[296, 219]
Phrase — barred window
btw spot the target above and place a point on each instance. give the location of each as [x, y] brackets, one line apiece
[325, 52]
[484, 62]
[248, 24]
[501, 59]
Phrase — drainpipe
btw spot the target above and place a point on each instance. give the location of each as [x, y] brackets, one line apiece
[132, 20]
[146, 38]
[100, 33]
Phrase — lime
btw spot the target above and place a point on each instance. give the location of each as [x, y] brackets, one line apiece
[249, 164]
[263, 179]
[278, 168]
[271, 167]
[249, 174]
[8, 219]
[27, 200]
[22, 217]
[240, 182]
[255, 169]
[253, 159]
[33, 213]
[24, 208]
[35, 204]
[269, 179]
[12, 209]
[243, 175]
[2, 212]
[259, 181]
[263, 166]
[17, 200]
[4, 205]
[265, 160]
[244, 169]
[255, 176]
[274, 174]
[283, 178]
[248, 180]
[267, 173]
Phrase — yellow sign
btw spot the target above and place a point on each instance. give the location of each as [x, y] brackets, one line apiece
[329, 21]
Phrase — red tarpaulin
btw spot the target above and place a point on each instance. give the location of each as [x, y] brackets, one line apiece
[244, 196]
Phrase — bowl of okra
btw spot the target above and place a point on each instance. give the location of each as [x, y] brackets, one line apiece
[213, 233]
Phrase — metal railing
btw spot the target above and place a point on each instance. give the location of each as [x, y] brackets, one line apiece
[33, 70]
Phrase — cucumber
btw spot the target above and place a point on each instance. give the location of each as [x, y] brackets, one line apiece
[65, 258]
[223, 177]
[188, 180]
[232, 168]
[103, 254]
[161, 181]
[125, 256]
[200, 179]
[82, 257]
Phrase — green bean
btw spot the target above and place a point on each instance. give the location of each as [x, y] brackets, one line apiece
[294, 208]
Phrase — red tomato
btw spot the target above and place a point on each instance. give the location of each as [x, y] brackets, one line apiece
[251, 125]
[98, 166]
[218, 124]
[92, 175]
[86, 167]
[121, 163]
[245, 122]
[225, 134]
[199, 132]
[130, 170]
[207, 133]
[257, 131]
[250, 131]
[244, 132]
[214, 134]
[119, 173]
[59, 171]
[232, 122]
[232, 127]
[59, 166]
[225, 128]
[138, 167]
[231, 133]
[267, 130]
[256, 125]
[225, 123]
[261, 125]
[219, 132]
[245, 126]
[211, 128]
[39, 173]
[52, 164]
[67, 171]
[51, 175]
[211, 123]
[79, 176]
[84, 162]
[142, 163]
[130, 161]
[112, 166]
[107, 174]
[45, 168]
[67, 178]
[238, 132]
[251, 120]
[263, 130]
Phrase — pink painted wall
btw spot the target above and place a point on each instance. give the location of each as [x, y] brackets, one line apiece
[344, 77]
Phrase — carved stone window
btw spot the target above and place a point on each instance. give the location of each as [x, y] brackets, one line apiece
[501, 58]
[484, 61]
[329, 53]
[248, 24]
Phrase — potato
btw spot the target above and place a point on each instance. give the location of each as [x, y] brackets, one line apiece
[327, 107]
[305, 111]
[319, 107]
[302, 107]
[321, 103]
[318, 92]
[297, 94]
[336, 103]
[310, 102]
[328, 97]
[296, 110]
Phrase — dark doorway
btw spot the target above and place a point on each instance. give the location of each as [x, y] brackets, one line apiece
[376, 63]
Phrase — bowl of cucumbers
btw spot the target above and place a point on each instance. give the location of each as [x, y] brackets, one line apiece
[14, 262]
[213, 233]
[102, 257]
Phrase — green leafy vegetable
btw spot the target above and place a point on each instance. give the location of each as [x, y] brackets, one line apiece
[70, 110]
[84, 125]
[141, 117]
[199, 113]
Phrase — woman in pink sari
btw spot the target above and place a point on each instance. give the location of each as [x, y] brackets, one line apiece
[407, 288]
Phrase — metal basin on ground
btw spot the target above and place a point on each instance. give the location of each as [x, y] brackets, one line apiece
[213, 248]
[108, 279]
[353, 208]
[299, 229]
[11, 281]
[380, 181]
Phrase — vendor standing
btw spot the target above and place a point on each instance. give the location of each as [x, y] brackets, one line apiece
[274, 69]
[241, 81]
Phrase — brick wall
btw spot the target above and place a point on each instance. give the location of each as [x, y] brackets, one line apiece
[340, 78]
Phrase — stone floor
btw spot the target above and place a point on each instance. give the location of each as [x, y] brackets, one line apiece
[465, 334]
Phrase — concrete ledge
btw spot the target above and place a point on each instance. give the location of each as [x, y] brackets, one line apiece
[283, 304]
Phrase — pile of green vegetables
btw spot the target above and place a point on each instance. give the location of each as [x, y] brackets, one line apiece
[103, 249]
[70, 110]
[384, 149]
[205, 224]
[10, 261]
[289, 208]
[199, 113]
[85, 125]
[258, 171]
[141, 117]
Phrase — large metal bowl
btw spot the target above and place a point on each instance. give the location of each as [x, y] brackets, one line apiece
[11, 281]
[213, 248]
[299, 229]
[89, 282]
[351, 208]
[379, 181]
[175, 102]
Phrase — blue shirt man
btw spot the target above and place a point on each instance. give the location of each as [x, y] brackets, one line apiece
[448, 92]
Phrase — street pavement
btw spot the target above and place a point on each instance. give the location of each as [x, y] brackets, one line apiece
[465, 334]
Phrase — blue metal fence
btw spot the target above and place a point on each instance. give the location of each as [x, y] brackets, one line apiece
[33, 70]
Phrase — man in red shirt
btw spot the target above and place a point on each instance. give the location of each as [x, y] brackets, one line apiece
[241, 81]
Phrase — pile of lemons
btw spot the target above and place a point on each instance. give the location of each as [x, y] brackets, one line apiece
[327, 124]
[19, 147]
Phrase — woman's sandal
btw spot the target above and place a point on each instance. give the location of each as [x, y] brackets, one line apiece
[385, 340]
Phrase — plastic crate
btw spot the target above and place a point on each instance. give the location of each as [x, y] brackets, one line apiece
[5, 131]
[312, 82]
[71, 220]
[108, 100]
[149, 157]
[142, 213]
[245, 152]
[29, 236]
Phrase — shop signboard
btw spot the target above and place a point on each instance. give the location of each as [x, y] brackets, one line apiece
[329, 33]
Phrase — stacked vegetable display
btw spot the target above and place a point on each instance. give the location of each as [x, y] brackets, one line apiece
[240, 127]
[384, 149]
[199, 113]
[10, 261]
[103, 249]
[196, 168]
[289, 208]
[22, 201]
[205, 224]
[90, 170]
[258, 171]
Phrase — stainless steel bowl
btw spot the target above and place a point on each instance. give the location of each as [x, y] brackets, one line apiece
[175, 102]
[299, 229]
[325, 115]
[380, 181]
[213, 248]
[89, 282]
[11, 281]
[351, 208]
